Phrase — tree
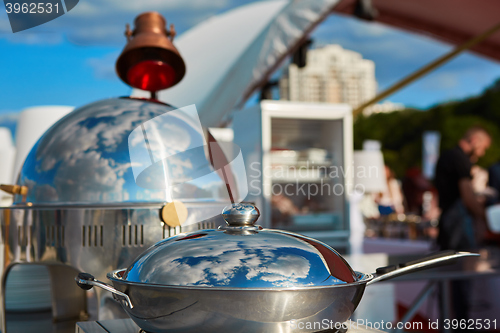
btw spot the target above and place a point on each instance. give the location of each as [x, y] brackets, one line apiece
[400, 132]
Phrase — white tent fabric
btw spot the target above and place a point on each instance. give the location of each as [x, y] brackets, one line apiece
[451, 21]
[232, 54]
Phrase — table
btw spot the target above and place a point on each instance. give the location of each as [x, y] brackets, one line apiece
[464, 269]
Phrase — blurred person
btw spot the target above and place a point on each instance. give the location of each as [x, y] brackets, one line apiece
[480, 179]
[414, 186]
[462, 223]
[391, 200]
[462, 219]
[493, 198]
[494, 182]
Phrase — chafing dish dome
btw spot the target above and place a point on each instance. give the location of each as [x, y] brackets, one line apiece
[239, 256]
[93, 156]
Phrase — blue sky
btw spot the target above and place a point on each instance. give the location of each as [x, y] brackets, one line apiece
[70, 61]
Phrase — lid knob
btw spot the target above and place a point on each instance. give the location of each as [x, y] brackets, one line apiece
[240, 214]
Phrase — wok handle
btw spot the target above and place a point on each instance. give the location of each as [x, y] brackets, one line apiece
[86, 281]
[434, 260]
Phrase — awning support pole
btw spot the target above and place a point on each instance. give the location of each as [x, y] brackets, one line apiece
[427, 68]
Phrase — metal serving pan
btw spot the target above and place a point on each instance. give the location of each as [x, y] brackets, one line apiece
[243, 278]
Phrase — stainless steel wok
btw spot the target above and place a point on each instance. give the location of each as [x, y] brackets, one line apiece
[242, 278]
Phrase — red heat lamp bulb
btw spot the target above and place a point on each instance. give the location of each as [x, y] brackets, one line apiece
[151, 75]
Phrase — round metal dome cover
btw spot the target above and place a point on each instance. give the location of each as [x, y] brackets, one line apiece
[113, 152]
[240, 257]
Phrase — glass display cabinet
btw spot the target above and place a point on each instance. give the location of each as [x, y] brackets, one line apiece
[298, 159]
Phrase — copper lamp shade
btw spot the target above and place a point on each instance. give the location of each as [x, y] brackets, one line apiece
[150, 61]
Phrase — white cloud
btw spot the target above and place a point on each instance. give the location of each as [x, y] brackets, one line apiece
[5, 25]
[8, 115]
[355, 26]
[104, 68]
[78, 154]
[30, 37]
[91, 8]
[443, 80]
[9, 119]
[102, 22]
[375, 39]
[210, 262]
[86, 9]
[97, 177]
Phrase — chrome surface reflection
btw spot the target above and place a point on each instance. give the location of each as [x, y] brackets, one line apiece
[187, 309]
[68, 241]
[85, 159]
[262, 259]
[241, 214]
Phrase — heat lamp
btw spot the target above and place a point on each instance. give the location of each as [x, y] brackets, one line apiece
[150, 61]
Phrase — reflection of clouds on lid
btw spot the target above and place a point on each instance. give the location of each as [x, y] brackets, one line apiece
[241, 208]
[266, 259]
[162, 137]
[170, 152]
[84, 158]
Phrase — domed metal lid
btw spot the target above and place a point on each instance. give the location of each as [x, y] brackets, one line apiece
[240, 255]
[121, 151]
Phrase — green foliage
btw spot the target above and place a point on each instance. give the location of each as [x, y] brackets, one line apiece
[401, 132]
